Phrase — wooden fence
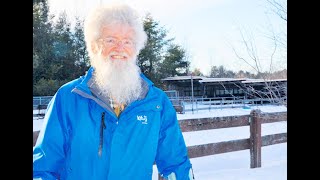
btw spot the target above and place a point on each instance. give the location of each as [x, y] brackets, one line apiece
[255, 142]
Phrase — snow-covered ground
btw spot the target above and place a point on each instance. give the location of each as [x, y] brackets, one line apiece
[237, 110]
[232, 165]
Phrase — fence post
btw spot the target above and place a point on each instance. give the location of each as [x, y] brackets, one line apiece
[255, 138]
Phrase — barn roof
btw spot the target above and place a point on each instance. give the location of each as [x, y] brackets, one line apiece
[209, 80]
[177, 78]
[263, 80]
[203, 79]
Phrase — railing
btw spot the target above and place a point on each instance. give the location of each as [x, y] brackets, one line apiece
[40, 101]
[197, 104]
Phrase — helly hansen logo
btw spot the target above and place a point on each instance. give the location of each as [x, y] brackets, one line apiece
[143, 119]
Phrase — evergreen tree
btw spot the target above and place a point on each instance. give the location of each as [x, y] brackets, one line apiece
[221, 72]
[214, 72]
[161, 58]
[150, 57]
[197, 72]
[81, 54]
[59, 55]
[174, 63]
[42, 43]
[63, 49]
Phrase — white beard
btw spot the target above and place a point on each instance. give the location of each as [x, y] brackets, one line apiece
[117, 79]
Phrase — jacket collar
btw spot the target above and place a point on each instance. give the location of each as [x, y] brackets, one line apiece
[84, 81]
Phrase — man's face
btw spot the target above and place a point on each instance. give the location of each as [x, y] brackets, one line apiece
[117, 42]
[116, 71]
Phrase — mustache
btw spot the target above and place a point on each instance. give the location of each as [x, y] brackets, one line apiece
[113, 53]
[118, 53]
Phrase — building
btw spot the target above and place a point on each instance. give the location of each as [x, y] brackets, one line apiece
[225, 88]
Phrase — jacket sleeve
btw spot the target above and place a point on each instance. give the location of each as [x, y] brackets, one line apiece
[49, 151]
[172, 155]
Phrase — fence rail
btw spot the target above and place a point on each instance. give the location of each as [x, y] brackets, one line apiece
[254, 143]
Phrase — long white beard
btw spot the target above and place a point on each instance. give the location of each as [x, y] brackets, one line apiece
[117, 79]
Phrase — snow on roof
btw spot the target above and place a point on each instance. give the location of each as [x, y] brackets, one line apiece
[203, 79]
[177, 78]
[263, 80]
[207, 80]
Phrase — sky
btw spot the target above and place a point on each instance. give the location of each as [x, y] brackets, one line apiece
[232, 165]
[208, 30]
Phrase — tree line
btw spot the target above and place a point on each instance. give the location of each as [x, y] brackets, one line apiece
[59, 51]
[222, 72]
[60, 55]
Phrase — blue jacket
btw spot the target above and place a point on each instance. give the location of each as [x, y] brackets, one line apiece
[76, 127]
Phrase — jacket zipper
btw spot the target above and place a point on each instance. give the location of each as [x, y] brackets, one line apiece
[102, 127]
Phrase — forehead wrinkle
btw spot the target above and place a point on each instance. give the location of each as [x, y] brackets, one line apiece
[118, 31]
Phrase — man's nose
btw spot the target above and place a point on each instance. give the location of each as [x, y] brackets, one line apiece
[119, 45]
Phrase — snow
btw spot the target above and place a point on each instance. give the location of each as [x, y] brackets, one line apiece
[236, 165]
[231, 165]
[220, 111]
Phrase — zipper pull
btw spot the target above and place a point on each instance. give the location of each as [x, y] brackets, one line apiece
[102, 120]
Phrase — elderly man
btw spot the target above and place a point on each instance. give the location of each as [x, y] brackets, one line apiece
[112, 123]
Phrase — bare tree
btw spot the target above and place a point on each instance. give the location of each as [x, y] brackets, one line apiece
[279, 7]
[272, 91]
[275, 92]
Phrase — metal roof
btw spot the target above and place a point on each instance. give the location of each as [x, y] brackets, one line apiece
[263, 80]
[203, 79]
[177, 78]
[208, 80]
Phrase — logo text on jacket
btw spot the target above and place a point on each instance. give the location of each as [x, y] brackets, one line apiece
[143, 119]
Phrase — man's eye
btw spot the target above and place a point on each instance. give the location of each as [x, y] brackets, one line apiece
[127, 42]
[110, 40]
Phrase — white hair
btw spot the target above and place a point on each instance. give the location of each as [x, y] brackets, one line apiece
[104, 15]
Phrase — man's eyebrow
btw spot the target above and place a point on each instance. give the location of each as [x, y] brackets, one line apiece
[130, 38]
